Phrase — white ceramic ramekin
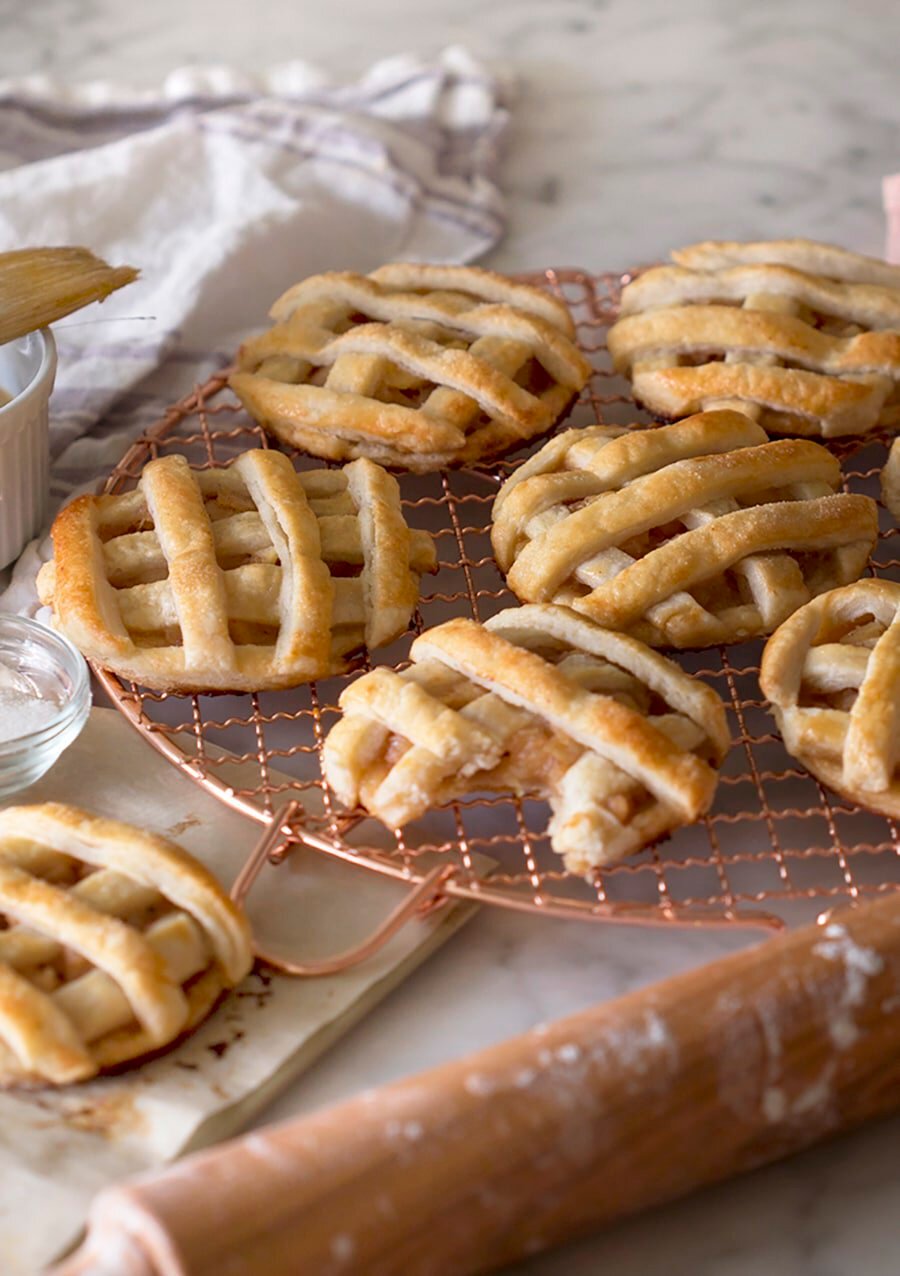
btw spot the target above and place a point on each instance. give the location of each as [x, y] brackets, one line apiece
[27, 370]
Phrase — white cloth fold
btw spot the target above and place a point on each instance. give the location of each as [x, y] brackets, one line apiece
[224, 189]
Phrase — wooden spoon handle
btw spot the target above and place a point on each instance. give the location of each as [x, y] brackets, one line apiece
[550, 1134]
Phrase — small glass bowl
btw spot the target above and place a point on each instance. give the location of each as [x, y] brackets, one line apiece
[40, 663]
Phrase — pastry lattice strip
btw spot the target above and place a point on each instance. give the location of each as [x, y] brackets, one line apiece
[115, 942]
[413, 365]
[832, 673]
[641, 530]
[539, 701]
[754, 327]
[890, 481]
[236, 579]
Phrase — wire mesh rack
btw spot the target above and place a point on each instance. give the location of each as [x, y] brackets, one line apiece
[777, 846]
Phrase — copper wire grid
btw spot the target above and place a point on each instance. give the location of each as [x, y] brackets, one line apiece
[776, 847]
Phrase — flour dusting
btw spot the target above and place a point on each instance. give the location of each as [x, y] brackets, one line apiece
[411, 1131]
[812, 1102]
[385, 1206]
[860, 965]
[479, 1085]
[642, 1047]
[343, 1247]
[815, 1096]
[774, 1104]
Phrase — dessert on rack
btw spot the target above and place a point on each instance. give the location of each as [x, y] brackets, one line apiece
[803, 336]
[832, 675]
[414, 366]
[115, 943]
[245, 578]
[539, 701]
[685, 535]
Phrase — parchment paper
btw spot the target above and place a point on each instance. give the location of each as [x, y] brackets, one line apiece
[59, 1147]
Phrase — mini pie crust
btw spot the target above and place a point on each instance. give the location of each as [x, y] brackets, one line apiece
[241, 579]
[414, 366]
[115, 943]
[832, 675]
[541, 701]
[803, 336]
[686, 535]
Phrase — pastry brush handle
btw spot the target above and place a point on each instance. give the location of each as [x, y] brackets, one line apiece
[555, 1132]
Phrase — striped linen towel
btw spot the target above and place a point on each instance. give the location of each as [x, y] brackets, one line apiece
[224, 189]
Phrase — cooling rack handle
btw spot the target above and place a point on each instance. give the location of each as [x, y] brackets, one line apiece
[421, 897]
[553, 1133]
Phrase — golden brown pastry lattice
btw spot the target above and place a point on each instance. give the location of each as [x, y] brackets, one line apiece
[803, 336]
[414, 366]
[237, 579]
[832, 674]
[686, 535]
[114, 943]
[537, 700]
[890, 480]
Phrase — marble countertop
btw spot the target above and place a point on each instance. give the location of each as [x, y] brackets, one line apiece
[640, 125]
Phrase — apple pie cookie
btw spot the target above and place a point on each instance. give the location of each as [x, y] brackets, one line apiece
[802, 336]
[832, 675]
[538, 701]
[241, 579]
[417, 367]
[686, 535]
[114, 943]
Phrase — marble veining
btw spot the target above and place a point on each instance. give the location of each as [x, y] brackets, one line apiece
[639, 125]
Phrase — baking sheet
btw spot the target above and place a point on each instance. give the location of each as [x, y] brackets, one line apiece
[57, 1148]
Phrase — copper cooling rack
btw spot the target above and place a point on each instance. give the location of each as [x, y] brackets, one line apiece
[776, 847]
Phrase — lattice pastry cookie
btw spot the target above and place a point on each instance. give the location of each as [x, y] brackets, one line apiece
[686, 535]
[237, 579]
[114, 943]
[832, 675]
[536, 701]
[803, 336]
[414, 366]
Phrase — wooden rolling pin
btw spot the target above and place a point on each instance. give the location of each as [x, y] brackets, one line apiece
[544, 1137]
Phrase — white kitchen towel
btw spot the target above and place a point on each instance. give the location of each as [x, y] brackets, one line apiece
[225, 189]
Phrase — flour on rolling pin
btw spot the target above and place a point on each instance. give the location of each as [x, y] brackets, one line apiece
[60, 1147]
[859, 965]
